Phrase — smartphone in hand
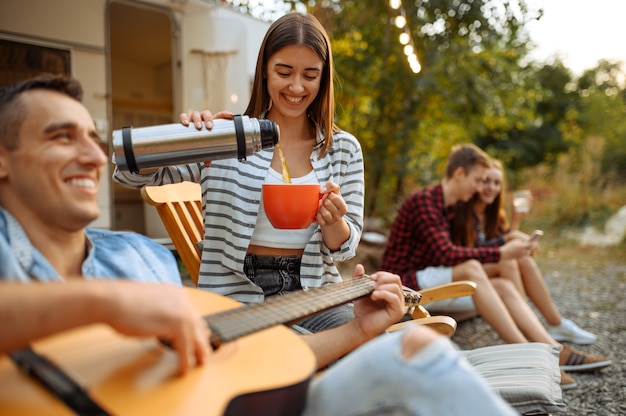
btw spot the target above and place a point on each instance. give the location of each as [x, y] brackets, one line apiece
[535, 235]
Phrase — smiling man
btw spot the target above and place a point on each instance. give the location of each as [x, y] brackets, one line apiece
[50, 170]
[421, 251]
[420, 239]
[50, 167]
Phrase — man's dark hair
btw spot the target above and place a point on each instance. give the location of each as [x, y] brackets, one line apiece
[12, 111]
[466, 156]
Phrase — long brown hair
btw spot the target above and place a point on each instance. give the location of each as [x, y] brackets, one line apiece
[463, 224]
[496, 221]
[298, 29]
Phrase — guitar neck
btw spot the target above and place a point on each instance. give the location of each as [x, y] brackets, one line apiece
[284, 309]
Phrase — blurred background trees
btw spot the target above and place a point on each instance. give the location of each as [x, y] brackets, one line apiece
[564, 136]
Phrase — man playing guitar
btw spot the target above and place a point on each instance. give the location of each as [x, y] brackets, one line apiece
[50, 167]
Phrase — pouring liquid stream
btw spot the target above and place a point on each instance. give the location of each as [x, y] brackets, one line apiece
[283, 161]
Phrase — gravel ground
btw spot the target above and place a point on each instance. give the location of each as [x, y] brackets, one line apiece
[588, 285]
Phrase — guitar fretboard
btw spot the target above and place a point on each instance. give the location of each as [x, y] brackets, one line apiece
[284, 309]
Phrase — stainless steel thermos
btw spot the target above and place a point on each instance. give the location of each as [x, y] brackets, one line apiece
[173, 144]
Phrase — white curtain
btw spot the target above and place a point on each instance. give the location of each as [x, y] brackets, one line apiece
[215, 71]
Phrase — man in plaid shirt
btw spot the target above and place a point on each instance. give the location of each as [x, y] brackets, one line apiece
[421, 252]
[420, 236]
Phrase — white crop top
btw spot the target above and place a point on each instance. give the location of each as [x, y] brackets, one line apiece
[266, 235]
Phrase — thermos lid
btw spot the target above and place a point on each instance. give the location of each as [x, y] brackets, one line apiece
[269, 133]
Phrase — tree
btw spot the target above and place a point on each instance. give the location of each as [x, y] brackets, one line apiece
[602, 110]
[541, 140]
[472, 85]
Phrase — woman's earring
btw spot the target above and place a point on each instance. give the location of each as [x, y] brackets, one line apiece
[270, 106]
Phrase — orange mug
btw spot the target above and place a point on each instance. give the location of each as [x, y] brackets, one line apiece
[291, 206]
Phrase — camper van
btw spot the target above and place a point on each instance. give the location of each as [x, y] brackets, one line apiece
[141, 63]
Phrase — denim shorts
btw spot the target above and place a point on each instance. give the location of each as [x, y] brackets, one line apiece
[436, 276]
[274, 274]
[277, 275]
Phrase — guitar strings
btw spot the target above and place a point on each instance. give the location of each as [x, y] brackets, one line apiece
[292, 307]
[283, 310]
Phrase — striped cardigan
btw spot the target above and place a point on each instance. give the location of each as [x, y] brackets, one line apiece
[231, 194]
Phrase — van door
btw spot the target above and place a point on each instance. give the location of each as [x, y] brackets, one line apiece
[142, 42]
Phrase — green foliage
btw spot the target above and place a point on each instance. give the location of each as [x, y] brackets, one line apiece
[603, 113]
[568, 195]
[472, 85]
[476, 85]
[544, 138]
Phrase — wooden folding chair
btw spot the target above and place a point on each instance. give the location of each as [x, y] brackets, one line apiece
[179, 206]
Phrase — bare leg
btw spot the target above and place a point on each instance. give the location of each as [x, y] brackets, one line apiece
[538, 291]
[488, 302]
[520, 311]
[506, 269]
[527, 278]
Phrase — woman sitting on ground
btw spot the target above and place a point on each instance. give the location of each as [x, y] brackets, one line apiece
[483, 221]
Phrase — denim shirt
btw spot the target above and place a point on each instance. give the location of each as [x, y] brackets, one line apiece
[111, 255]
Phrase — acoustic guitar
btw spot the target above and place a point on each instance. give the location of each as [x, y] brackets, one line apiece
[259, 367]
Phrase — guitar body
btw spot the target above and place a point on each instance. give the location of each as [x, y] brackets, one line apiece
[267, 372]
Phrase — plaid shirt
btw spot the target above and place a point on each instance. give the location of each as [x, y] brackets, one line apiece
[420, 238]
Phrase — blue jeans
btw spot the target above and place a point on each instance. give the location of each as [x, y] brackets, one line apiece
[376, 379]
[277, 275]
